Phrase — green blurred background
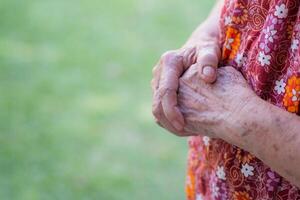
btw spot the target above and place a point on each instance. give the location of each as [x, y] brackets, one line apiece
[75, 103]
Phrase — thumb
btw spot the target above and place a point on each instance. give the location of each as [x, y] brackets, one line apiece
[207, 61]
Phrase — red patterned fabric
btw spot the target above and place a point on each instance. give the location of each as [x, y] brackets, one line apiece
[260, 38]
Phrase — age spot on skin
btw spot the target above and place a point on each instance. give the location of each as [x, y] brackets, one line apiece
[288, 172]
[291, 156]
[246, 132]
[249, 128]
[275, 147]
[277, 120]
[291, 138]
[254, 126]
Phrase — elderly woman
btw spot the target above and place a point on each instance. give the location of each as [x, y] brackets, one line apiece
[234, 87]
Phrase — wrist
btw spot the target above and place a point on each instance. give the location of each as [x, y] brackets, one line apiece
[203, 34]
[245, 122]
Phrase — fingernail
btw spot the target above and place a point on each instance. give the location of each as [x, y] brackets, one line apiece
[208, 71]
[177, 125]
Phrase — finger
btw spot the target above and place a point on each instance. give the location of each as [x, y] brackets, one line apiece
[166, 125]
[191, 100]
[157, 108]
[171, 71]
[189, 56]
[156, 76]
[158, 113]
[162, 121]
[207, 60]
[193, 78]
[156, 98]
[160, 117]
[171, 111]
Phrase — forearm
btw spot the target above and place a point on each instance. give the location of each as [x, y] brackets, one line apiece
[272, 135]
[210, 28]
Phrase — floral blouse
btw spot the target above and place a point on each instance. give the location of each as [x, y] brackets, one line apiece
[260, 38]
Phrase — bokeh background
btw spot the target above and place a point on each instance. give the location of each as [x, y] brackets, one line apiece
[75, 103]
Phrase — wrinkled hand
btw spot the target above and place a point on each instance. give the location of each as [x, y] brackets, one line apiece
[166, 76]
[213, 109]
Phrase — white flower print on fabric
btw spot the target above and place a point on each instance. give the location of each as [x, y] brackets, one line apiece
[273, 20]
[270, 33]
[221, 173]
[264, 59]
[199, 197]
[280, 86]
[281, 11]
[295, 44]
[240, 59]
[296, 96]
[229, 42]
[206, 140]
[297, 27]
[247, 170]
[228, 20]
[215, 190]
[264, 47]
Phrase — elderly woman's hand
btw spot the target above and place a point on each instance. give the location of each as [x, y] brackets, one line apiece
[213, 109]
[205, 55]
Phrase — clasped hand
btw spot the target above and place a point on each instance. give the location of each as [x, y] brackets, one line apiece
[193, 104]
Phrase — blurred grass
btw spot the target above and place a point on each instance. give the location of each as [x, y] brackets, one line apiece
[75, 100]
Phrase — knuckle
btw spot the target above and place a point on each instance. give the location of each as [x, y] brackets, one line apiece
[204, 45]
[154, 70]
[162, 89]
[210, 55]
[169, 91]
[165, 92]
[209, 42]
[152, 83]
[160, 93]
[208, 59]
[167, 54]
[189, 56]
[171, 57]
[209, 49]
